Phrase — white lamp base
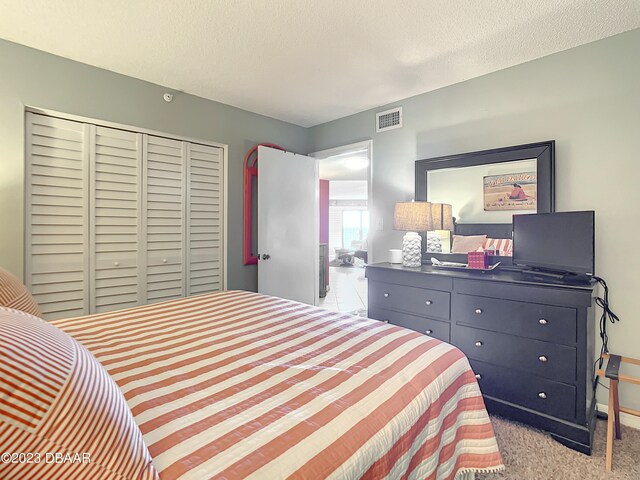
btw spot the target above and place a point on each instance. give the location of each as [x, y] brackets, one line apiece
[411, 246]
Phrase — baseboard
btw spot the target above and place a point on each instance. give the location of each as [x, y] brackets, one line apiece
[625, 419]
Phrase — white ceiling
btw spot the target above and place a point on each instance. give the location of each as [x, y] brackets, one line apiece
[345, 166]
[310, 61]
[348, 190]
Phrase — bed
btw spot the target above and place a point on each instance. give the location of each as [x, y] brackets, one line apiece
[232, 385]
[239, 385]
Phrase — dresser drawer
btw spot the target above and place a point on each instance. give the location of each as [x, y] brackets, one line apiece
[421, 301]
[546, 396]
[532, 320]
[433, 328]
[545, 359]
[411, 277]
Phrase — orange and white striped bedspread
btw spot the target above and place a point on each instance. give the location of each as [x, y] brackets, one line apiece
[239, 385]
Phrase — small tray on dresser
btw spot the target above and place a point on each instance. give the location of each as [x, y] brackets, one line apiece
[463, 266]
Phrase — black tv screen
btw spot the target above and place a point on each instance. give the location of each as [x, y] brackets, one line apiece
[562, 241]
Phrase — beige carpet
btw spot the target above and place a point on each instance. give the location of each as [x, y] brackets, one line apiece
[531, 454]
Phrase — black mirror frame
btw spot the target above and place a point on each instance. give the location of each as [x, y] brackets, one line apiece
[543, 152]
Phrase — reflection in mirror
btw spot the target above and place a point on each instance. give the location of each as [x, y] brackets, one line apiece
[485, 189]
[489, 193]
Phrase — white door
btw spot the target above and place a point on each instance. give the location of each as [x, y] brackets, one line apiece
[288, 225]
[57, 213]
[165, 222]
[115, 240]
[204, 219]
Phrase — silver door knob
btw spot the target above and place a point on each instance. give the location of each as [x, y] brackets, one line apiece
[479, 344]
[478, 376]
[386, 295]
[478, 311]
[542, 321]
[543, 358]
[428, 332]
[115, 264]
[542, 395]
[428, 302]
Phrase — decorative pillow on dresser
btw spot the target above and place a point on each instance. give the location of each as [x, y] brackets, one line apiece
[14, 294]
[467, 243]
[61, 414]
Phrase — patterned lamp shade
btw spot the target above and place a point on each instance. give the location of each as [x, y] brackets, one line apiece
[413, 216]
[442, 216]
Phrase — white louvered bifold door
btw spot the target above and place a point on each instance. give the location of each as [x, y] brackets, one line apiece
[117, 218]
[56, 226]
[204, 230]
[116, 166]
[164, 218]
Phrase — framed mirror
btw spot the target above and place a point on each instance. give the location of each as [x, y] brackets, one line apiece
[486, 188]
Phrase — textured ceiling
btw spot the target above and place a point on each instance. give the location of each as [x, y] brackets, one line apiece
[310, 61]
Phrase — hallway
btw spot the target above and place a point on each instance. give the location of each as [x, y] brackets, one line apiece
[347, 291]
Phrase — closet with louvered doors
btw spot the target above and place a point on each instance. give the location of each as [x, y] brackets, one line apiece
[164, 213]
[115, 229]
[204, 229]
[117, 218]
[57, 212]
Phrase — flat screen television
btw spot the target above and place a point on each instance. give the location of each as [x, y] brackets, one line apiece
[560, 242]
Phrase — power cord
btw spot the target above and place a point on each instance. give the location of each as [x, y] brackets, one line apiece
[607, 316]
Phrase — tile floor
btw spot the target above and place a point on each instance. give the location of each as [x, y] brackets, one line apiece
[347, 290]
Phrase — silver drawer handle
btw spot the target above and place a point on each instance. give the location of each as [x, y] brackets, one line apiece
[543, 358]
[479, 344]
[478, 376]
[542, 395]
[542, 321]
[478, 311]
[386, 295]
[428, 332]
[428, 302]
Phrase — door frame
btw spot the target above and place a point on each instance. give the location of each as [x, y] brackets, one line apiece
[131, 128]
[363, 145]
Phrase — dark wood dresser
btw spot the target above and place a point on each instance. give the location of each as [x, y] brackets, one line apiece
[529, 339]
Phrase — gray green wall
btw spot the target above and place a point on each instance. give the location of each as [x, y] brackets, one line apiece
[30, 77]
[587, 99]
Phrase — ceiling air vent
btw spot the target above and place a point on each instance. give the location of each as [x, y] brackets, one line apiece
[389, 119]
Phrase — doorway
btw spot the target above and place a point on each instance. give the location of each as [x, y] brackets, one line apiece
[345, 246]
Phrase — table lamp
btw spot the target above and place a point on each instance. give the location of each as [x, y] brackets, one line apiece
[439, 240]
[412, 217]
[442, 216]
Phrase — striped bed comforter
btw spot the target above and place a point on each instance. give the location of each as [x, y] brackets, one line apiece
[239, 385]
